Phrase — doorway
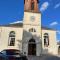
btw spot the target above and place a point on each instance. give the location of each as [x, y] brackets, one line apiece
[59, 50]
[32, 47]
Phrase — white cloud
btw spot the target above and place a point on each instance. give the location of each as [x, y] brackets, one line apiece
[58, 31]
[16, 22]
[57, 5]
[53, 23]
[58, 40]
[44, 6]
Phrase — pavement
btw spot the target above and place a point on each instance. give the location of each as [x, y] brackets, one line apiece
[44, 57]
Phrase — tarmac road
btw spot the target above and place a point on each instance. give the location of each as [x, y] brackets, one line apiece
[43, 57]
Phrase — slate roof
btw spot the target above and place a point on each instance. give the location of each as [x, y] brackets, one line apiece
[21, 25]
[13, 25]
[58, 43]
[46, 28]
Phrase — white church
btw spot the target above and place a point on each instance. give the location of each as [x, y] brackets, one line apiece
[29, 36]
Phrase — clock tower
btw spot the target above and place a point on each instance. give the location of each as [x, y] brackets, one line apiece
[32, 27]
[32, 14]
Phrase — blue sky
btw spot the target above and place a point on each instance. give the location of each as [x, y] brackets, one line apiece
[13, 10]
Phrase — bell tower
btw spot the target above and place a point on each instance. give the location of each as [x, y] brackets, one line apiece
[32, 26]
[32, 14]
[31, 5]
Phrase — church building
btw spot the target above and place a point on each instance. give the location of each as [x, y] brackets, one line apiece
[29, 36]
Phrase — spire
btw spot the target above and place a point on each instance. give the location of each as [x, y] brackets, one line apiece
[31, 5]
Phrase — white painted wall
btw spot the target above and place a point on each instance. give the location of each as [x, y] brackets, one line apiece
[5, 37]
[52, 48]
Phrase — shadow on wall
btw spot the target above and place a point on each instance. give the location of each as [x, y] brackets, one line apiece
[29, 35]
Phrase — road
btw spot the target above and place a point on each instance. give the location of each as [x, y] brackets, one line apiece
[44, 57]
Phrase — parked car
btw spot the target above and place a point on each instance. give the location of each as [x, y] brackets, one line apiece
[2, 56]
[13, 54]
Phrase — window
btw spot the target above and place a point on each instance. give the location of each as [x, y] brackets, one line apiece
[32, 30]
[37, 1]
[11, 38]
[32, 5]
[46, 39]
[24, 1]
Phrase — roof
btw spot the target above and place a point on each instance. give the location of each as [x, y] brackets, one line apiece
[21, 25]
[47, 28]
[13, 25]
[58, 42]
[32, 11]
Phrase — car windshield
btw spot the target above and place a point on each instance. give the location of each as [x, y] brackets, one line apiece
[11, 52]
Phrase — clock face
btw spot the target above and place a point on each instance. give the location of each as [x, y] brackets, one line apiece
[32, 18]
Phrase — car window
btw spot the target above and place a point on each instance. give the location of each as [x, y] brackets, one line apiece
[4, 52]
[10, 52]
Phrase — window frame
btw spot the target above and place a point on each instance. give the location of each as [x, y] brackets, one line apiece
[11, 38]
[32, 30]
[32, 5]
[46, 39]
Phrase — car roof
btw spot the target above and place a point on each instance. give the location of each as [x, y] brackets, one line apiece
[10, 50]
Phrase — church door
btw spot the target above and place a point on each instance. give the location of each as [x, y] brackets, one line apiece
[59, 50]
[32, 47]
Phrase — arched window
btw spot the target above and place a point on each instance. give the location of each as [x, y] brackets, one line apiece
[32, 30]
[46, 39]
[11, 41]
[32, 41]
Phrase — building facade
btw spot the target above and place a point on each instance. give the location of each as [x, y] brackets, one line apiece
[29, 37]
